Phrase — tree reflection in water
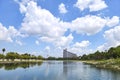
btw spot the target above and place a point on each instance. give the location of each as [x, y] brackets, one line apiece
[24, 65]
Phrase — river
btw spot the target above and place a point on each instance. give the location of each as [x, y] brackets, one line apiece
[55, 70]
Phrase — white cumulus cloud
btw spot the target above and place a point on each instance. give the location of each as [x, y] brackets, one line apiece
[19, 42]
[88, 25]
[93, 5]
[112, 37]
[8, 34]
[82, 44]
[41, 22]
[113, 21]
[80, 47]
[62, 8]
[60, 42]
[64, 41]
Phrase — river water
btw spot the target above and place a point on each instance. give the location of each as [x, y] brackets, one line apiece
[55, 70]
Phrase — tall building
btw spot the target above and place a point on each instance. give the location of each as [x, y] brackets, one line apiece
[67, 54]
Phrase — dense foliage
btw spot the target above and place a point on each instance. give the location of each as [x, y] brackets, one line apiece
[112, 53]
[15, 55]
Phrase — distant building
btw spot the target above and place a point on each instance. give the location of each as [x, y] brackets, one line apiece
[67, 54]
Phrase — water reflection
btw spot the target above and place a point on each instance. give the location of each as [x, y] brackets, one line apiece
[55, 70]
[81, 71]
[68, 66]
[24, 65]
[102, 74]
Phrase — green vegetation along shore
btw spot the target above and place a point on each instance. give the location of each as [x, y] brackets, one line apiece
[113, 64]
[19, 61]
[109, 59]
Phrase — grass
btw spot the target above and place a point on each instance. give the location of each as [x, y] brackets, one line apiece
[107, 64]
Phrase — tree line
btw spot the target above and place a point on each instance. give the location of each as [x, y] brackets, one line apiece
[112, 53]
[15, 55]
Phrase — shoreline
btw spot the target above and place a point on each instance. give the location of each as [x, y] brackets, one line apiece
[18, 61]
[112, 64]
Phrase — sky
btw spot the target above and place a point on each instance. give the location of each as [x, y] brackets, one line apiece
[46, 27]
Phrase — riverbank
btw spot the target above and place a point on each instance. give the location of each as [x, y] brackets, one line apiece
[113, 64]
[19, 61]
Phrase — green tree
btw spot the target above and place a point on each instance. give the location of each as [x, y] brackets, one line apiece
[39, 57]
[25, 56]
[11, 55]
[2, 56]
[3, 50]
[84, 57]
[51, 58]
[33, 57]
[113, 52]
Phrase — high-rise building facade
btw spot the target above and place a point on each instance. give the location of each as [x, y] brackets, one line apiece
[67, 54]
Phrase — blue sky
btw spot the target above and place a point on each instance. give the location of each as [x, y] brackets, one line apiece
[46, 27]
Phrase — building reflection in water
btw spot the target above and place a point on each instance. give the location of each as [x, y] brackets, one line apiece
[65, 67]
[68, 67]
